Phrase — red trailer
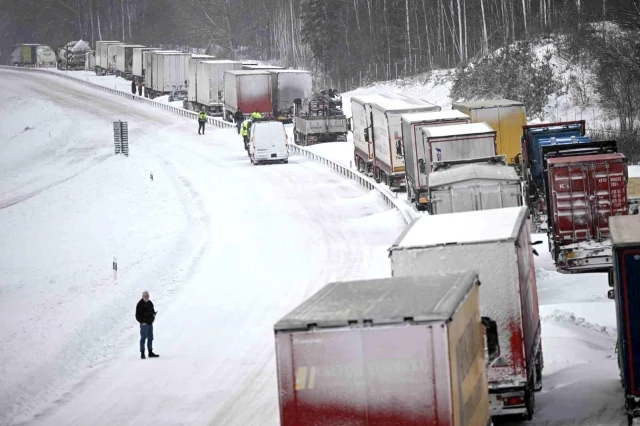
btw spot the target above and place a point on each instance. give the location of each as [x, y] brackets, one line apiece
[247, 91]
[583, 192]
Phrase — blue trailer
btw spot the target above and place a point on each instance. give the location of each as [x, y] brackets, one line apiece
[625, 279]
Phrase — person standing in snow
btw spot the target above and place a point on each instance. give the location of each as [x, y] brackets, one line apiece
[139, 87]
[133, 86]
[145, 315]
[202, 119]
[239, 118]
[256, 115]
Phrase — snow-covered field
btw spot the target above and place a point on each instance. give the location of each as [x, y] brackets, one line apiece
[225, 249]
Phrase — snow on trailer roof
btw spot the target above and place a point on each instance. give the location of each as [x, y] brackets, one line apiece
[488, 104]
[472, 171]
[368, 99]
[382, 301]
[462, 228]
[134, 45]
[458, 130]
[417, 117]
[625, 230]
[403, 105]
[219, 61]
[284, 71]
[248, 72]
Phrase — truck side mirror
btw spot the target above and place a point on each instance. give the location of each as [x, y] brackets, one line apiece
[493, 344]
[610, 294]
[399, 147]
[536, 243]
[535, 252]
[422, 166]
[366, 135]
[350, 124]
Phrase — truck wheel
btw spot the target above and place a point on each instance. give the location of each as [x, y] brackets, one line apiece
[530, 402]
[538, 372]
[630, 419]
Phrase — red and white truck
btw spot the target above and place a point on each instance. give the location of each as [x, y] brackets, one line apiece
[388, 158]
[496, 244]
[583, 192]
[395, 351]
[247, 91]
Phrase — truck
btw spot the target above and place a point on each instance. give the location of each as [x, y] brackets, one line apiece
[72, 56]
[247, 91]
[168, 71]
[534, 138]
[90, 60]
[45, 57]
[497, 245]
[147, 68]
[24, 55]
[209, 84]
[392, 351]
[625, 280]
[137, 62]
[388, 158]
[474, 186]
[415, 151]
[319, 119]
[192, 80]
[105, 62]
[286, 87]
[124, 60]
[362, 129]
[583, 192]
[505, 116]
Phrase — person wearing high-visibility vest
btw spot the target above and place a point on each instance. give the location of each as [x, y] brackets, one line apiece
[256, 115]
[245, 133]
[202, 119]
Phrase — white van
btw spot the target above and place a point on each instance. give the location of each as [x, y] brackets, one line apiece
[269, 143]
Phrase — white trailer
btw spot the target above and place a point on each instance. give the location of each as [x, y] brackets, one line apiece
[124, 60]
[210, 85]
[361, 126]
[474, 186]
[388, 159]
[192, 81]
[288, 85]
[137, 67]
[90, 61]
[497, 245]
[112, 50]
[414, 149]
[147, 69]
[102, 56]
[168, 71]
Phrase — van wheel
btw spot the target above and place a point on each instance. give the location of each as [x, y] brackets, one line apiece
[286, 161]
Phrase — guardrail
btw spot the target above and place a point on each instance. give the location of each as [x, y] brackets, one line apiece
[408, 214]
[183, 112]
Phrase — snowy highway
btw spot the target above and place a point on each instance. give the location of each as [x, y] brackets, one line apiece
[224, 247]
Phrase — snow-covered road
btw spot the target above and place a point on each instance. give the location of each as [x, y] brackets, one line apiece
[225, 248]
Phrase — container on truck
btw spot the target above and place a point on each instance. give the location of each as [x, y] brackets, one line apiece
[90, 61]
[505, 117]
[112, 56]
[147, 68]
[103, 60]
[168, 71]
[583, 193]
[394, 351]
[319, 119]
[24, 55]
[286, 87]
[414, 149]
[124, 60]
[625, 279]
[137, 62]
[388, 158]
[361, 126]
[192, 80]
[210, 85]
[474, 186]
[248, 91]
[497, 244]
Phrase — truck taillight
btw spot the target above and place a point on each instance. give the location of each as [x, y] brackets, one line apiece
[513, 400]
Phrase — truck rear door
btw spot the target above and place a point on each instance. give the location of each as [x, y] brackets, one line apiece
[585, 191]
[628, 311]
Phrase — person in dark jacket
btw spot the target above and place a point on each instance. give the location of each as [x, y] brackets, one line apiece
[239, 118]
[145, 315]
[139, 87]
[133, 86]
